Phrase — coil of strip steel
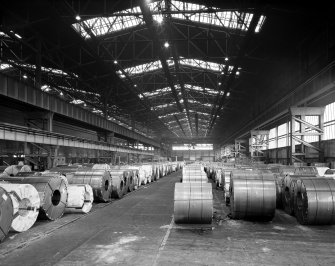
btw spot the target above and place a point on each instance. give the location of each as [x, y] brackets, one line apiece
[118, 183]
[226, 184]
[6, 213]
[315, 201]
[306, 170]
[80, 198]
[26, 204]
[52, 191]
[193, 203]
[252, 195]
[289, 185]
[99, 180]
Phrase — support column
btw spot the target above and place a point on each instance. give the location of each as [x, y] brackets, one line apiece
[49, 118]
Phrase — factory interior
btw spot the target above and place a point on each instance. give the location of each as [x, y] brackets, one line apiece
[167, 132]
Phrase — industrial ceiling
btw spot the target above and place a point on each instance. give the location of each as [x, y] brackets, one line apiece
[170, 69]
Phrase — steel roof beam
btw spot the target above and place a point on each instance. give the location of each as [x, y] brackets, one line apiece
[229, 82]
[147, 16]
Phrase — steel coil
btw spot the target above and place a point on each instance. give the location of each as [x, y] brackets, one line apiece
[6, 213]
[26, 204]
[306, 170]
[315, 201]
[80, 199]
[252, 195]
[118, 183]
[52, 191]
[193, 203]
[99, 180]
[288, 191]
[102, 166]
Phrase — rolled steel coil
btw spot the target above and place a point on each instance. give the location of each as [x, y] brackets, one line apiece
[315, 201]
[149, 171]
[288, 191]
[140, 175]
[218, 177]
[31, 173]
[129, 180]
[155, 173]
[193, 203]
[118, 183]
[194, 176]
[287, 170]
[279, 191]
[80, 199]
[99, 180]
[252, 195]
[102, 166]
[306, 170]
[6, 213]
[26, 204]
[52, 191]
[226, 185]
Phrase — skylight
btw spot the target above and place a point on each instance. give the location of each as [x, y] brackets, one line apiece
[197, 102]
[204, 64]
[104, 25]
[157, 92]
[77, 102]
[5, 66]
[132, 17]
[152, 66]
[227, 19]
[162, 91]
[201, 89]
[190, 110]
[162, 106]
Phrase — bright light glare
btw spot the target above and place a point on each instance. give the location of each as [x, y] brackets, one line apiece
[78, 17]
[166, 45]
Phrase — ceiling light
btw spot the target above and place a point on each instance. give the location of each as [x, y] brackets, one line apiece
[25, 76]
[237, 72]
[61, 94]
[115, 62]
[226, 59]
[228, 93]
[17, 36]
[159, 19]
[135, 85]
[166, 45]
[219, 83]
[78, 17]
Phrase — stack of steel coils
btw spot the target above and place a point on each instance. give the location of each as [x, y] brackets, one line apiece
[252, 195]
[193, 199]
[99, 180]
[52, 191]
[226, 184]
[118, 183]
[193, 203]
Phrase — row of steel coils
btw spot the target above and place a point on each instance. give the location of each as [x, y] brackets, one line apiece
[193, 198]
[255, 193]
[28, 196]
[307, 196]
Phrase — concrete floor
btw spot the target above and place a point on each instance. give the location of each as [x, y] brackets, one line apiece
[139, 230]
